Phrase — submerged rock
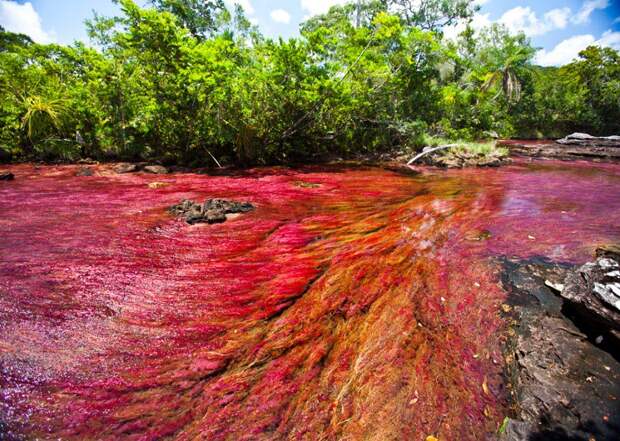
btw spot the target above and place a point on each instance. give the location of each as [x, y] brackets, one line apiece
[6, 175]
[85, 171]
[213, 211]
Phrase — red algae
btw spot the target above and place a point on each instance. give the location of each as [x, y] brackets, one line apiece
[354, 303]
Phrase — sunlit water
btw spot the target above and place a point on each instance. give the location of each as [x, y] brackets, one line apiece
[353, 304]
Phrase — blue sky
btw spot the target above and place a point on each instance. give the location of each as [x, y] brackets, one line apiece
[559, 28]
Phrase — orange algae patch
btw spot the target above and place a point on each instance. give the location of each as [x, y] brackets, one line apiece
[355, 308]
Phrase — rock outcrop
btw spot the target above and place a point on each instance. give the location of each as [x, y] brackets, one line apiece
[213, 211]
[583, 139]
[594, 290]
[563, 379]
[6, 175]
[575, 146]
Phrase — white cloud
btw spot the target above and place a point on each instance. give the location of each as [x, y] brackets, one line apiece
[524, 19]
[557, 18]
[281, 16]
[478, 22]
[567, 50]
[314, 7]
[588, 7]
[23, 19]
[245, 4]
[610, 39]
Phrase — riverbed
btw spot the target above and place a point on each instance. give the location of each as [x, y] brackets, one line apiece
[353, 303]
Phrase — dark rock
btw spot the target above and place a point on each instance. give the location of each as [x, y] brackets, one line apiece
[213, 211]
[609, 251]
[594, 290]
[156, 169]
[563, 386]
[126, 168]
[517, 431]
[6, 175]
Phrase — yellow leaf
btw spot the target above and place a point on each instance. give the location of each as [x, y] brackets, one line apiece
[431, 438]
[485, 386]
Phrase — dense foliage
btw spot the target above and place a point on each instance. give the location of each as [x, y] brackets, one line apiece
[188, 81]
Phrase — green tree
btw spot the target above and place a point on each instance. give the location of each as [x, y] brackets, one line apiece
[200, 17]
[598, 73]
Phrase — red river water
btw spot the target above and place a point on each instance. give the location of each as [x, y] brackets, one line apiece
[352, 304]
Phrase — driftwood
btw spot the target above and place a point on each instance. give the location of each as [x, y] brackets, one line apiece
[428, 151]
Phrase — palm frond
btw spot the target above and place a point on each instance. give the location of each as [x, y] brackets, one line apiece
[41, 113]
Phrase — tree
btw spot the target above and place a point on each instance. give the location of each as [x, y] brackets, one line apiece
[432, 15]
[505, 57]
[598, 72]
[198, 16]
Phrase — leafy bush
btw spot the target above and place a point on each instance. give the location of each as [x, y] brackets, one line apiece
[187, 81]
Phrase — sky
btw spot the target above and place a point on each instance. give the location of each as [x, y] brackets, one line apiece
[560, 29]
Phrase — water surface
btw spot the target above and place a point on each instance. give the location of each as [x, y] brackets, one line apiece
[354, 303]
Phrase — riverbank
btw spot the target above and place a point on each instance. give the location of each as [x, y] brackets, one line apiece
[563, 368]
[577, 146]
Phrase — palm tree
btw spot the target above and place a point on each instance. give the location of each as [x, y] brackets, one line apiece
[506, 56]
[41, 114]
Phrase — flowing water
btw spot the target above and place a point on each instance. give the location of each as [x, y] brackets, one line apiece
[353, 304]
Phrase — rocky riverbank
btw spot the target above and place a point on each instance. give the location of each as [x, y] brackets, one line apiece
[562, 352]
[575, 146]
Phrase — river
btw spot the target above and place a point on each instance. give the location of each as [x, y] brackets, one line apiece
[353, 303]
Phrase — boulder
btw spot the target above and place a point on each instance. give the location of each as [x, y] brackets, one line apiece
[594, 289]
[6, 175]
[213, 211]
[156, 169]
[126, 168]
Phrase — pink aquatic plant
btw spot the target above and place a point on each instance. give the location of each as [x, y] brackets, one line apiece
[352, 303]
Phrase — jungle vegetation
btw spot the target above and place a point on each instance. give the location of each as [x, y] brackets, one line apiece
[185, 81]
